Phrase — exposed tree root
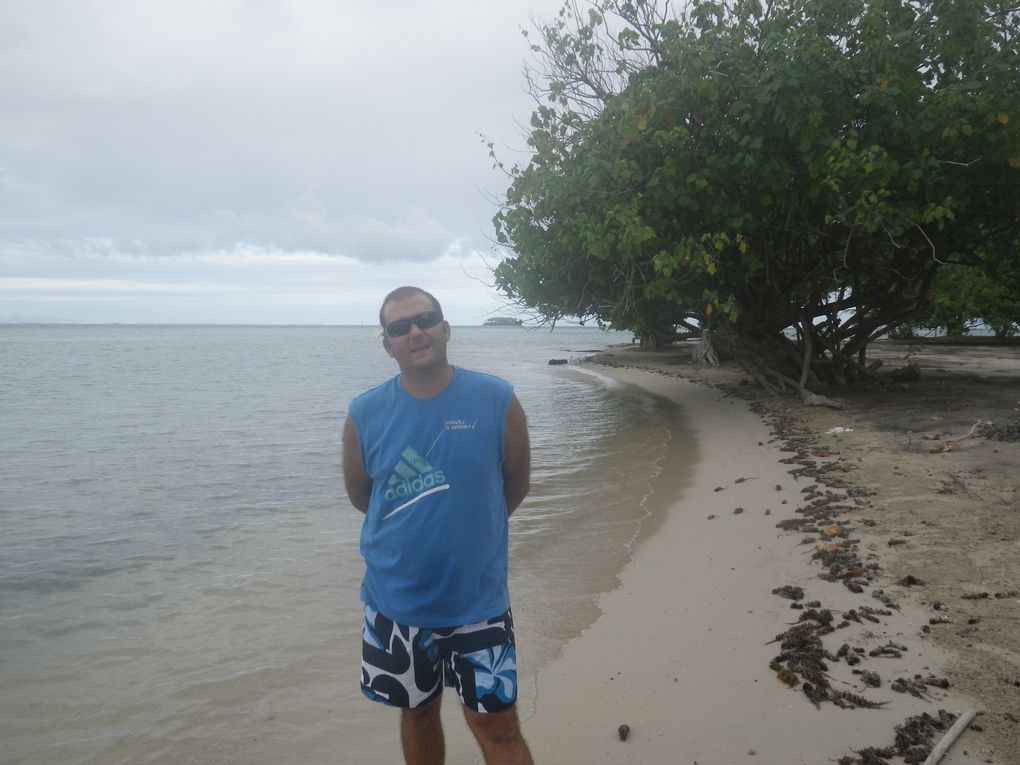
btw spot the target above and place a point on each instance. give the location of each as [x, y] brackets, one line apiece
[784, 366]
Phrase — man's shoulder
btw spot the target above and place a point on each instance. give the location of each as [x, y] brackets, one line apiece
[486, 390]
[483, 379]
[374, 393]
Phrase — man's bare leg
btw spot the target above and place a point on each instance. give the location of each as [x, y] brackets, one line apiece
[499, 736]
[421, 734]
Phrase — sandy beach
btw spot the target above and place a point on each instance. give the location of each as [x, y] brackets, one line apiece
[820, 583]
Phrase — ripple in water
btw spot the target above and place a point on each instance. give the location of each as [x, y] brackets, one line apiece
[179, 566]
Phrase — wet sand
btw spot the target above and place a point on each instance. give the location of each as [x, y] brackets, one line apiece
[681, 654]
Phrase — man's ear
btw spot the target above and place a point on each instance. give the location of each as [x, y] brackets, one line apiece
[386, 345]
[446, 329]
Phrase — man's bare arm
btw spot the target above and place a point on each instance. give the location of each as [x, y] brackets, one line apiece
[356, 480]
[517, 456]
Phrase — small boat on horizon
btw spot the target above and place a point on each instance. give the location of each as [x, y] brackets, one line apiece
[502, 321]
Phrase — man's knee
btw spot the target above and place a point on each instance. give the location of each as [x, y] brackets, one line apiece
[426, 714]
[497, 729]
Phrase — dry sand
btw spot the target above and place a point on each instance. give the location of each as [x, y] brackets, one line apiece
[681, 654]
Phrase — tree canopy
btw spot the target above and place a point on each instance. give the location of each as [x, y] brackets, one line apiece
[800, 176]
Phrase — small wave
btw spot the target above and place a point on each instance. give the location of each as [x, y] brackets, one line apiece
[605, 381]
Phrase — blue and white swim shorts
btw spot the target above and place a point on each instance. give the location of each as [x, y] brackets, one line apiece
[405, 666]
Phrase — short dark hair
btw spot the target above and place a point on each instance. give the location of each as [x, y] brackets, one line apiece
[402, 293]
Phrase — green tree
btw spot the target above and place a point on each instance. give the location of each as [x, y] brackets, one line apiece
[965, 297]
[802, 168]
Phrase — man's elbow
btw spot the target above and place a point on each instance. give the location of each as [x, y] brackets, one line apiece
[359, 497]
[515, 495]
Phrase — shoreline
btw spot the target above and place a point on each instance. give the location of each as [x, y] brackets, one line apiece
[681, 653]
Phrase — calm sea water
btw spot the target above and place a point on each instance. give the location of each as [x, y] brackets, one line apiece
[178, 560]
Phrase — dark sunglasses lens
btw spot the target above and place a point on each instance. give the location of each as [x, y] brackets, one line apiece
[427, 320]
[398, 328]
[401, 327]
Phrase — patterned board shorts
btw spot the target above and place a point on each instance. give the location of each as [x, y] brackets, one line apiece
[404, 666]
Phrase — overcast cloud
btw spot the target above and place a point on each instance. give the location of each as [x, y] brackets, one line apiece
[278, 161]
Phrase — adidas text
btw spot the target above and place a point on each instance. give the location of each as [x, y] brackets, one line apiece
[415, 486]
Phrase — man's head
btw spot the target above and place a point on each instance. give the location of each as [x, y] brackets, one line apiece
[414, 331]
[405, 292]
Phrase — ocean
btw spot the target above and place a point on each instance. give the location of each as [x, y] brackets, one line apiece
[179, 563]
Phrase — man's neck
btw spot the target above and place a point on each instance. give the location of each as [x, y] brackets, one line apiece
[428, 384]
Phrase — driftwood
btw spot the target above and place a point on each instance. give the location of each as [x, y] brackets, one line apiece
[909, 373]
[978, 427]
[951, 735]
[813, 399]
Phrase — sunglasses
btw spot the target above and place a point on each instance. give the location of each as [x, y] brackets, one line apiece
[401, 327]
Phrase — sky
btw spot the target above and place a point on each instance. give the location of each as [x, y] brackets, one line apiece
[255, 161]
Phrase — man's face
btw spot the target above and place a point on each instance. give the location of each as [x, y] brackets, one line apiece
[420, 350]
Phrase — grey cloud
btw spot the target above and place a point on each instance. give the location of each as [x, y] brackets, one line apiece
[160, 129]
[414, 236]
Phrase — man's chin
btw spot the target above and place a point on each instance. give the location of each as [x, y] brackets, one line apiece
[424, 362]
[424, 357]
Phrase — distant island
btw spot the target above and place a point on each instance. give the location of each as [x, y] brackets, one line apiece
[502, 321]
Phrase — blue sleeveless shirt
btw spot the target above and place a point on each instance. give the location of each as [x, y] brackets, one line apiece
[434, 537]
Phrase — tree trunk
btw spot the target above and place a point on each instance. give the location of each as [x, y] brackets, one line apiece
[705, 352]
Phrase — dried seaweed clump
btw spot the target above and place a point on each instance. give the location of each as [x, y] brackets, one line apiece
[915, 738]
[1006, 432]
[804, 658]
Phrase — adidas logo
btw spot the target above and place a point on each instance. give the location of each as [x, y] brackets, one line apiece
[412, 475]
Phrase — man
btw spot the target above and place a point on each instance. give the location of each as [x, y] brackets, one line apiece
[437, 458]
